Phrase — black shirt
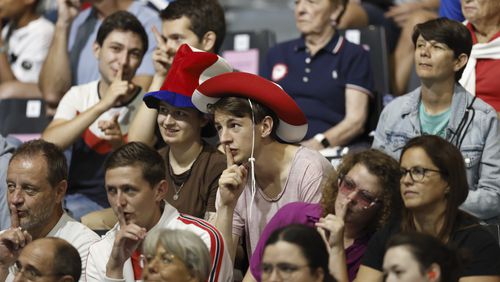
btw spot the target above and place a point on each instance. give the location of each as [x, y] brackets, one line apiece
[478, 243]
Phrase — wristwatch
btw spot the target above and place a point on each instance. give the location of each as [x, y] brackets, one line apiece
[320, 137]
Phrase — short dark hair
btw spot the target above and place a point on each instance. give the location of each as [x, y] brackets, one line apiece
[240, 107]
[57, 167]
[427, 250]
[123, 21]
[452, 33]
[139, 154]
[66, 259]
[450, 162]
[205, 16]
[310, 243]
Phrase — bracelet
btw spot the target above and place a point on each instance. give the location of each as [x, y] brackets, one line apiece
[320, 137]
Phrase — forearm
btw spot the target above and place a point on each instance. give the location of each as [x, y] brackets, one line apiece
[63, 133]
[345, 131]
[338, 265]
[16, 89]
[430, 4]
[114, 271]
[483, 203]
[6, 73]
[224, 223]
[55, 75]
[143, 125]
[4, 272]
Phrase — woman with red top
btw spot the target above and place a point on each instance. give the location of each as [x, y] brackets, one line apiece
[483, 68]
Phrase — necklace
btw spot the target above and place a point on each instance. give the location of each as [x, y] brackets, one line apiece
[178, 180]
[177, 191]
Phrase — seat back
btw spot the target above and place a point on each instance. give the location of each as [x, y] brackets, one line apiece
[22, 117]
[246, 50]
[372, 38]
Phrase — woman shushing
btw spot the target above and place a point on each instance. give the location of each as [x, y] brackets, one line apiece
[355, 202]
[418, 257]
[433, 186]
[175, 255]
[295, 253]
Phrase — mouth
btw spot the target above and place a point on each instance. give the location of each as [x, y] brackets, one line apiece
[128, 216]
[409, 193]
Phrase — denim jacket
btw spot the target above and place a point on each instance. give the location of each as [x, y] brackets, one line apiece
[480, 148]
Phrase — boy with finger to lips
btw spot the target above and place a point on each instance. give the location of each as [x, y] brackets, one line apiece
[93, 118]
[136, 188]
[259, 126]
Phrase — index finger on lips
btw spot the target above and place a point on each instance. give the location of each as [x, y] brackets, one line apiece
[229, 156]
[14, 217]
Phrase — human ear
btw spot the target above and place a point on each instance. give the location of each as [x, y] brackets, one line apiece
[335, 15]
[460, 62]
[266, 126]
[96, 49]
[161, 191]
[434, 273]
[66, 278]
[319, 274]
[208, 41]
[61, 189]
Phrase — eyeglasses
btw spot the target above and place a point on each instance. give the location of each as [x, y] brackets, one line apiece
[284, 270]
[363, 198]
[165, 258]
[417, 173]
[30, 273]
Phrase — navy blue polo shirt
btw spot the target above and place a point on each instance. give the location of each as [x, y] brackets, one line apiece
[318, 83]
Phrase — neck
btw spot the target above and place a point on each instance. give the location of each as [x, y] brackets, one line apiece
[316, 41]
[103, 88]
[155, 218]
[44, 230]
[352, 232]
[429, 220]
[25, 19]
[437, 96]
[274, 159]
[182, 156]
[486, 29]
[106, 8]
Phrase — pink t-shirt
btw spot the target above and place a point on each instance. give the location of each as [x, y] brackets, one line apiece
[306, 174]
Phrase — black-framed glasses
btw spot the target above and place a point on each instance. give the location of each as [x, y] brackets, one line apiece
[30, 273]
[284, 269]
[417, 173]
[363, 198]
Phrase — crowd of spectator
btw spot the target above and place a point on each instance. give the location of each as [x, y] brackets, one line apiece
[163, 163]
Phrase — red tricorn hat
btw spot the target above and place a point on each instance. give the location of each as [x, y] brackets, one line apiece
[189, 68]
[292, 125]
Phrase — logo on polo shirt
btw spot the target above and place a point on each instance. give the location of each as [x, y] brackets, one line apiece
[335, 75]
[26, 65]
[279, 71]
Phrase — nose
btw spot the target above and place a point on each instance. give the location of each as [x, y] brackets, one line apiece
[120, 199]
[123, 58]
[153, 266]
[224, 136]
[172, 47]
[406, 177]
[424, 51]
[299, 7]
[17, 196]
[274, 276]
[352, 196]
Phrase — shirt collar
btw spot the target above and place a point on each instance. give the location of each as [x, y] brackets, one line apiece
[333, 46]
